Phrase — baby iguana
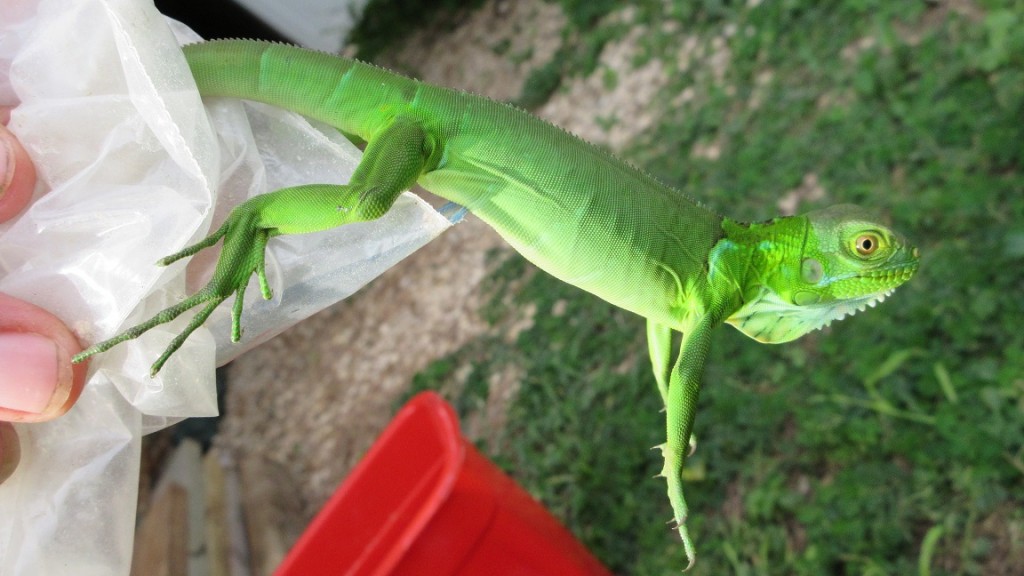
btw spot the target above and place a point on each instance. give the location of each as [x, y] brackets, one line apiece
[567, 206]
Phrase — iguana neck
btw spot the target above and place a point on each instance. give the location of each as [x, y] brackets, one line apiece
[747, 258]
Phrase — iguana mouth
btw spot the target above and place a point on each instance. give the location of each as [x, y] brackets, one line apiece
[900, 273]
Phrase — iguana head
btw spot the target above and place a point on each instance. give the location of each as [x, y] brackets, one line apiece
[844, 262]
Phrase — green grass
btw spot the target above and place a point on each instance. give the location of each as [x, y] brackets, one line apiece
[892, 443]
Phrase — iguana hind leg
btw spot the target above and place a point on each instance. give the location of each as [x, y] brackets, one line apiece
[391, 163]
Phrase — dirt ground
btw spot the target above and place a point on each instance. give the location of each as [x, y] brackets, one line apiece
[303, 408]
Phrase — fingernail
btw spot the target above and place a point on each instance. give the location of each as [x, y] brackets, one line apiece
[28, 372]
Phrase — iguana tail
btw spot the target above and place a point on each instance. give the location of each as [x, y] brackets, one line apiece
[357, 98]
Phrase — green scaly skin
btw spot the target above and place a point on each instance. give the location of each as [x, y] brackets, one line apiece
[567, 206]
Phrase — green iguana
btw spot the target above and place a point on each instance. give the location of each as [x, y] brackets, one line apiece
[567, 206]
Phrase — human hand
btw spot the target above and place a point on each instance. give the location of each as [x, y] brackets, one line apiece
[37, 380]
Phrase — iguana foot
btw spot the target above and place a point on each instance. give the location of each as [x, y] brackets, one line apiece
[245, 241]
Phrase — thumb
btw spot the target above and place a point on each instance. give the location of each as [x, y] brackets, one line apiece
[37, 380]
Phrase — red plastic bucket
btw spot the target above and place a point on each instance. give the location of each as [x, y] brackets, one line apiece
[423, 501]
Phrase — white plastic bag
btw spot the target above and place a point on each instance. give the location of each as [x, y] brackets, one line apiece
[131, 166]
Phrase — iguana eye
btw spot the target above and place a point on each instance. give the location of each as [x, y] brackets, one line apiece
[866, 244]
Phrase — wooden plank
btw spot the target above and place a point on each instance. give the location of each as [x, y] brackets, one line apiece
[218, 540]
[273, 511]
[161, 542]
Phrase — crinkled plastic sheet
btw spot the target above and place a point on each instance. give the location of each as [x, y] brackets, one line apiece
[130, 166]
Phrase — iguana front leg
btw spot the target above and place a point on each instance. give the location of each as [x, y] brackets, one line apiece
[659, 346]
[681, 397]
[391, 163]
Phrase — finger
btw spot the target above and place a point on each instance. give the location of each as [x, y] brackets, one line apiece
[10, 451]
[37, 380]
[17, 176]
